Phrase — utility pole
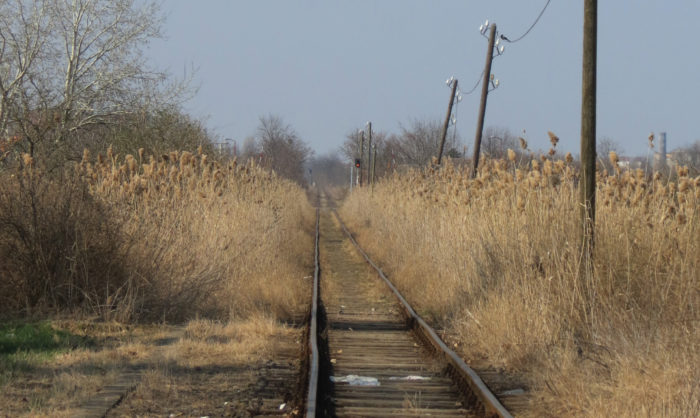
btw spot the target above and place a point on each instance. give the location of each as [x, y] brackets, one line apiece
[369, 149]
[588, 132]
[374, 163]
[484, 95]
[352, 166]
[447, 121]
[362, 154]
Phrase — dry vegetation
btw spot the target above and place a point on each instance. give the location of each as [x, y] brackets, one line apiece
[495, 261]
[177, 238]
[166, 238]
[241, 368]
[204, 368]
[55, 381]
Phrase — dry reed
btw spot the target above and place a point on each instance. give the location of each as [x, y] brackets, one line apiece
[221, 240]
[167, 238]
[494, 260]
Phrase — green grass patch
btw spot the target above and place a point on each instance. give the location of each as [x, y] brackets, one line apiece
[24, 346]
[39, 337]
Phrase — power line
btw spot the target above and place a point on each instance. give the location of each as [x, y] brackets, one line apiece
[478, 81]
[530, 28]
[456, 110]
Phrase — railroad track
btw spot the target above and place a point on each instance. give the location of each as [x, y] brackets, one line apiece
[370, 353]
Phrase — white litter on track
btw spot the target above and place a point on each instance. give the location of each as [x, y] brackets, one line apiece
[409, 378]
[355, 380]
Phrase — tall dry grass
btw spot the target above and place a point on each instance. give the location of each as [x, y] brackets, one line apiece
[156, 238]
[227, 239]
[495, 261]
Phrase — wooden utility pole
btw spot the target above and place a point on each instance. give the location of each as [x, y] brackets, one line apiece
[447, 121]
[352, 166]
[588, 133]
[374, 163]
[369, 149]
[362, 155]
[484, 95]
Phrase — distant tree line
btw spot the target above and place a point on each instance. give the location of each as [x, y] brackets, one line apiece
[415, 145]
[277, 146]
[689, 155]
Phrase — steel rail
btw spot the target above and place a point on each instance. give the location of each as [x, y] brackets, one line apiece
[492, 406]
[313, 335]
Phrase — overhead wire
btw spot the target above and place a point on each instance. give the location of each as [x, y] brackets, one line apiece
[478, 81]
[530, 28]
[456, 110]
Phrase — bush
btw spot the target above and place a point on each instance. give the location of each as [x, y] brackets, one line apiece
[58, 246]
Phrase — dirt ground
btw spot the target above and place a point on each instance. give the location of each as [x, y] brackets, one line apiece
[223, 373]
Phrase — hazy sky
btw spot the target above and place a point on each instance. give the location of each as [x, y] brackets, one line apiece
[329, 66]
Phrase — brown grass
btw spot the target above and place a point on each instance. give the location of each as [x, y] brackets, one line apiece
[219, 368]
[215, 343]
[495, 261]
[38, 386]
[34, 384]
[170, 238]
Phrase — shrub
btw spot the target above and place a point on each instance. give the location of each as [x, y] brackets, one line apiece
[59, 247]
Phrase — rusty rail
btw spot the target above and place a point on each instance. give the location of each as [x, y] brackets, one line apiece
[462, 372]
[313, 335]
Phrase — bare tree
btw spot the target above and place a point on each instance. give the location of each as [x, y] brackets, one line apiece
[419, 143]
[69, 64]
[282, 149]
[104, 73]
[24, 31]
[604, 147]
[350, 150]
[250, 148]
[414, 146]
[689, 156]
[497, 141]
